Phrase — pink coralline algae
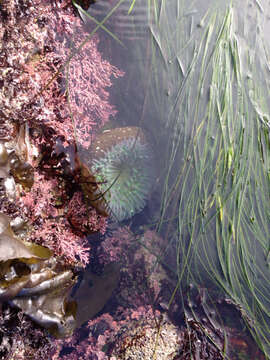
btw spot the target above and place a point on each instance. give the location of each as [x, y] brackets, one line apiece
[40, 200]
[83, 218]
[99, 337]
[59, 238]
[85, 78]
[72, 106]
[88, 77]
[51, 228]
[36, 41]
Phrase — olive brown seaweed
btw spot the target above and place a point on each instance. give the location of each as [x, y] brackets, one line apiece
[14, 167]
[33, 281]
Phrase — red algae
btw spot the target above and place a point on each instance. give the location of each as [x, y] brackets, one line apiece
[84, 219]
[61, 97]
[34, 46]
[50, 94]
[59, 238]
[133, 319]
[37, 40]
[89, 76]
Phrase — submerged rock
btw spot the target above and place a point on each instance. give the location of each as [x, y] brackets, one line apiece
[95, 291]
[148, 339]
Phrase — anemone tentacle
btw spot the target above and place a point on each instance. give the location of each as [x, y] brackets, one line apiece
[125, 174]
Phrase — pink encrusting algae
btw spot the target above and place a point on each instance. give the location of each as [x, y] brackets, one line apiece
[83, 218]
[59, 238]
[85, 78]
[101, 334]
[75, 103]
[36, 40]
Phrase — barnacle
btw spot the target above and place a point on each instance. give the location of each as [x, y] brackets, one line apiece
[33, 281]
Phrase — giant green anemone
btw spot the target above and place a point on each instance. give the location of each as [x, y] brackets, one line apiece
[123, 164]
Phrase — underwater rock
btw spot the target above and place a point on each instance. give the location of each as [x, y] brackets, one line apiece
[148, 338]
[122, 161]
[95, 291]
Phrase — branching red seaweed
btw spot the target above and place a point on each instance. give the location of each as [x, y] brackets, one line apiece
[57, 116]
